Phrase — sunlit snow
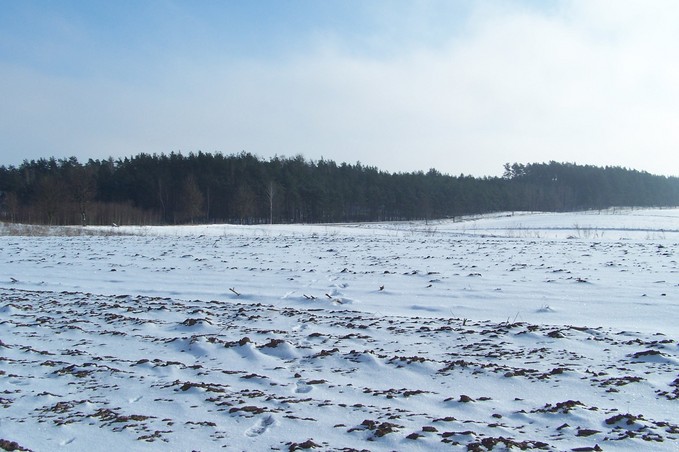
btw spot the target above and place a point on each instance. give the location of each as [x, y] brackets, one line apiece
[526, 330]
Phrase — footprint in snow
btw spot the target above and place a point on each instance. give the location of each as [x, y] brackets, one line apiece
[300, 327]
[303, 388]
[261, 426]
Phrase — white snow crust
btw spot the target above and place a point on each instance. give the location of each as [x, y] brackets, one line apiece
[516, 330]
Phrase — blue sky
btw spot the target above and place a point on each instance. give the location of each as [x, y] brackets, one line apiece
[460, 86]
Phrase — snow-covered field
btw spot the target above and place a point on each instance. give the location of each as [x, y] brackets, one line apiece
[535, 331]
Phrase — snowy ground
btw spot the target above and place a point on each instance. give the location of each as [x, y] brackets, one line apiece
[542, 331]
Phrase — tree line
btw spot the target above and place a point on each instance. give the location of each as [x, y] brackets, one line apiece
[243, 188]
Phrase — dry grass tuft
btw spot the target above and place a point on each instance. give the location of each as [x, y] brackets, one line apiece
[31, 230]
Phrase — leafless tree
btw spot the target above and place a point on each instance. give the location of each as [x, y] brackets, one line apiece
[270, 193]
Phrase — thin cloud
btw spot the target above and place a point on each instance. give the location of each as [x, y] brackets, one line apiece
[589, 82]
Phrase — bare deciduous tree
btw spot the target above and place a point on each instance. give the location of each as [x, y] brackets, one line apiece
[191, 200]
[270, 193]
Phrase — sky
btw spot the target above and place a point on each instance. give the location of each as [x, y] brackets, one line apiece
[460, 86]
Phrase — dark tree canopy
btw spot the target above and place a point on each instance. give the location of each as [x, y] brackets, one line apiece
[242, 188]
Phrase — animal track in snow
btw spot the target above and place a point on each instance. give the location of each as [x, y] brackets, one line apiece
[261, 426]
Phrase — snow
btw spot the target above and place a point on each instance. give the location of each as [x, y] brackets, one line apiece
[533, 330]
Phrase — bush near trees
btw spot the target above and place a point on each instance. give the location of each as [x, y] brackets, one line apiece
[242, 188]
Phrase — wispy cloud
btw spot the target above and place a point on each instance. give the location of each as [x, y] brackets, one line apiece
[584, 81]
